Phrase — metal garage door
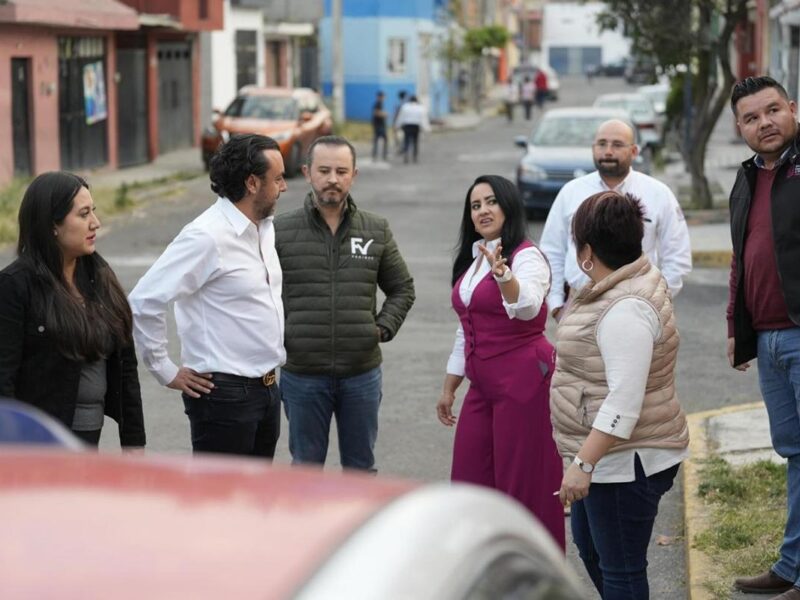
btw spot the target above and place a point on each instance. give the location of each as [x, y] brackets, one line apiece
[175, 124]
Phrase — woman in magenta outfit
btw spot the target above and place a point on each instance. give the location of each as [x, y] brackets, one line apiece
[504, 438]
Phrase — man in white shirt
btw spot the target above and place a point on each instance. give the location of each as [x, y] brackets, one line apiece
[412, 118]
[223, 275]
[666, 236]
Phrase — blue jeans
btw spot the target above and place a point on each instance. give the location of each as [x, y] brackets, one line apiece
[236, 417]
[311, 401]
[612, 527]
[779, 378]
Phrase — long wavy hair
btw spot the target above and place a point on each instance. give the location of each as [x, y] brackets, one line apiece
[514, 230]
[81, 331]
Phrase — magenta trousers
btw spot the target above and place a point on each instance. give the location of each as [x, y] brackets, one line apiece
[504, 439]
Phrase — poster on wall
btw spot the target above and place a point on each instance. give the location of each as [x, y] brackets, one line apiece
[94, 92]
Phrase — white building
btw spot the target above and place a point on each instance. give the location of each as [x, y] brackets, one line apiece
[572, 41]
[263, 43]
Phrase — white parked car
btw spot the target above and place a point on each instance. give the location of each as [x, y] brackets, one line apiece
[657, 94]
[641, 112]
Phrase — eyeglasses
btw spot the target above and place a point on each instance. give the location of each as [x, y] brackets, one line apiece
[602, 145]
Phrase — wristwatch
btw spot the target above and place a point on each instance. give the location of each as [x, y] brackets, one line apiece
[583, 465]
[506, 276]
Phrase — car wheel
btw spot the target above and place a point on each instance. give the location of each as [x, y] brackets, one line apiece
[295, 161]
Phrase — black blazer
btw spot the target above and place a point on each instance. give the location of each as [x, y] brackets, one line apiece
[33, 371]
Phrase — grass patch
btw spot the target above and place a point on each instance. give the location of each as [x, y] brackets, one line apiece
[10, 197]
[747, 514]
[109, 200]
[354, 131]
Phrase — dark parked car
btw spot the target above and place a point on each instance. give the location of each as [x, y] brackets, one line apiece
[559, 150]
[641, 71]
[609, 69]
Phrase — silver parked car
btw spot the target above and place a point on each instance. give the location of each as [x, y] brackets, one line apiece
[641, 111]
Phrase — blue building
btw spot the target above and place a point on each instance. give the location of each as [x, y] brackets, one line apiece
[388, 45]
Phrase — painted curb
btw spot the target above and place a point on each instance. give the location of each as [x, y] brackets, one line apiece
[695, 512]
[715, 259]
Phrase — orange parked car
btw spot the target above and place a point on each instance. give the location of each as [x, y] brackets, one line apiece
[292, 117]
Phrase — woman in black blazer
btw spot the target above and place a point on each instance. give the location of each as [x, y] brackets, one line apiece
[65, 324]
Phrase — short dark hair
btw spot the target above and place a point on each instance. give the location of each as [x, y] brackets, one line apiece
[329, 140]
[753, 85]
[613, 225]
[515, 226]
[235, 160]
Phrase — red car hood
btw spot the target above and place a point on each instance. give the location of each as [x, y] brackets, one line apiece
[172, 527]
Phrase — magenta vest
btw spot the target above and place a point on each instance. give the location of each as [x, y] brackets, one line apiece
[487, 329]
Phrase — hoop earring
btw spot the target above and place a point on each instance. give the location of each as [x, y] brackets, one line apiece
[590, 265]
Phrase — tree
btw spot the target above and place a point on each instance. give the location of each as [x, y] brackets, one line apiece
[695, 34]
[476, 42]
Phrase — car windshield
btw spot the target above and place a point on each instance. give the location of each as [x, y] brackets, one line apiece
[635, 108]
[567, 131]
[263, 107]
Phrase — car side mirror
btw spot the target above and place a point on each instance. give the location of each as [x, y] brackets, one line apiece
[306, 116]
[521, 141]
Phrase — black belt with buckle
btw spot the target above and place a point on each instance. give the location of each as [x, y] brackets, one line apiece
[266, 380]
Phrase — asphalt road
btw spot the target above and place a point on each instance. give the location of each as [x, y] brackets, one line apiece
[423, 204]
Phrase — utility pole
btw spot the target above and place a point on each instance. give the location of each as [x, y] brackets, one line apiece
[338, 64]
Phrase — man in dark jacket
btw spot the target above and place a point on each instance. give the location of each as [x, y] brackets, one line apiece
[334, 258]
[764, 306]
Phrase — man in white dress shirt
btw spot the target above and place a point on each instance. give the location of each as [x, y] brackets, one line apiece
[223, 275]
[666, 236]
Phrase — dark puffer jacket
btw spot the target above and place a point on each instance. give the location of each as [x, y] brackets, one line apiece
[329, 289]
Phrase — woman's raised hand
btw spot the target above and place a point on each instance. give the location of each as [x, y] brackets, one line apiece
[496, 261]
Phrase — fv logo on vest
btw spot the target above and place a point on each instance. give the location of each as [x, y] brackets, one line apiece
[359, 249]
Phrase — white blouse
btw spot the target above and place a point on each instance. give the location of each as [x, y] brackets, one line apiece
[533, 274]
[626, 335]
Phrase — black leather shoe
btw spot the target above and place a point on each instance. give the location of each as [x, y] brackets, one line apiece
[766, 583]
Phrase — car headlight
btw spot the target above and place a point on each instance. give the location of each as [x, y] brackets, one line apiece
[531, 172]
[282, 136]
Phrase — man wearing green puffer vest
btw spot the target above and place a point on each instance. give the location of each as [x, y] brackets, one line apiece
[334, 257]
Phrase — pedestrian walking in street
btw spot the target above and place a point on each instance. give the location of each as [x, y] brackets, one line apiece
[65, 325]
[399, 142]
[540, 81]
[223, 275]
[335, 257]
[378, 126]
[413, 118]
[666, 236]
[764, 305]
[511, 99]
[615, 411]
[528, 95]
[500, 280]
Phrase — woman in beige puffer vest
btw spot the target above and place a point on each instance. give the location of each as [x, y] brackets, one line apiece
[613, 404]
